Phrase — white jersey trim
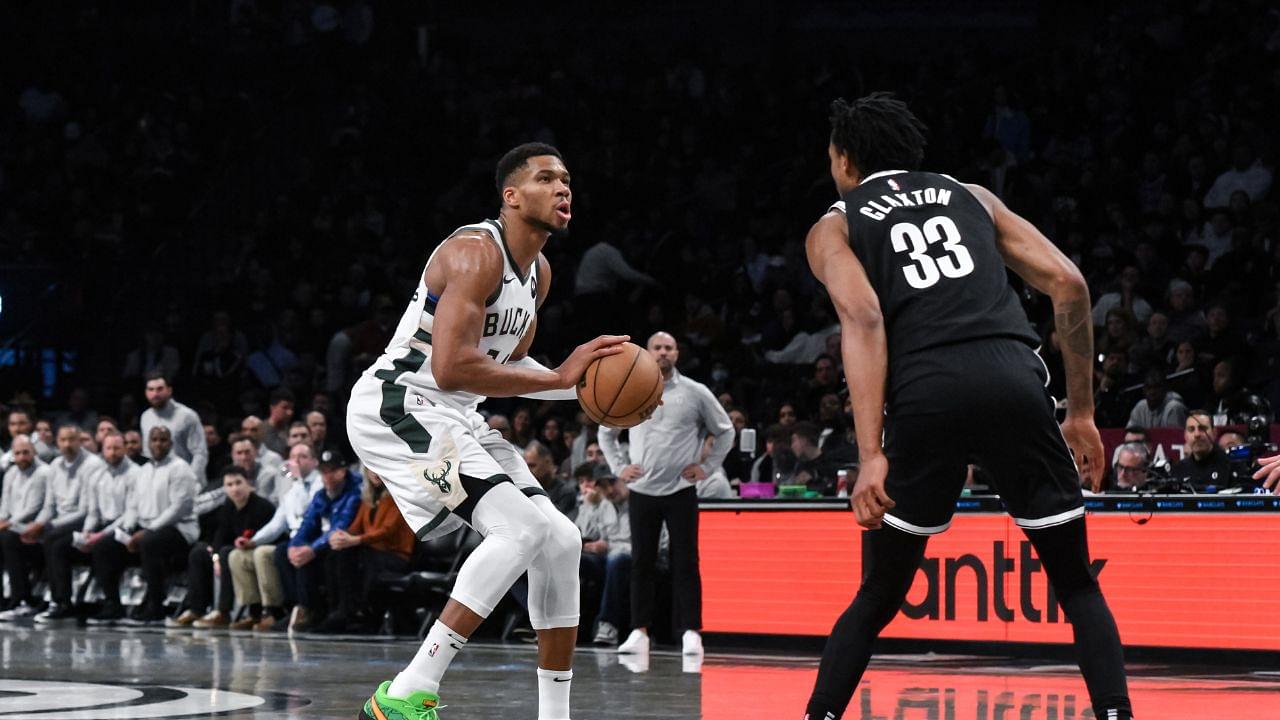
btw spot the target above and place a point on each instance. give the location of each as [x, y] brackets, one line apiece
[1061, 518]
[907, 527]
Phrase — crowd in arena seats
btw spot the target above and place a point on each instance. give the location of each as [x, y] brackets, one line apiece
[251, 235]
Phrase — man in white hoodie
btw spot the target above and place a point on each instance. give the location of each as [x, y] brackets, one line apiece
[157, 527]
[256, 561]
[70, 474]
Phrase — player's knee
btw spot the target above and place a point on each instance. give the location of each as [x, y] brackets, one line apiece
[529, 529]
[564, 542]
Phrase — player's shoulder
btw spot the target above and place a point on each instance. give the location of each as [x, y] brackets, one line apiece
[470, 249]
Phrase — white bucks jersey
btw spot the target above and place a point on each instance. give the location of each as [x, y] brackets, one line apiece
[508, 313]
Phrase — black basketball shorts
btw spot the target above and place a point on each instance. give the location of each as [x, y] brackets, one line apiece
[982, 402]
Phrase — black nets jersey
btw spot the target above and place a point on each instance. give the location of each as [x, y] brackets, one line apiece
[929, 249]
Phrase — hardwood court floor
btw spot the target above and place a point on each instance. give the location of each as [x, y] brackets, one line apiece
[70, 673]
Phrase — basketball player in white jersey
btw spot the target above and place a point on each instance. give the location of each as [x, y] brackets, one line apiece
[412, 419]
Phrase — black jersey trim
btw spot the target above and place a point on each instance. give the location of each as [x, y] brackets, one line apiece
[502, 238]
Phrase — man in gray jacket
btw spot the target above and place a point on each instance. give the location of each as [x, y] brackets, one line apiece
[104, 501]
[25, 485]
[157, 526]
[74, 470]
[183, 423]
[663, 469]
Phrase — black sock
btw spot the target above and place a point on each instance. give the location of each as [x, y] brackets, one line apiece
[892, 558]
[1064, 550]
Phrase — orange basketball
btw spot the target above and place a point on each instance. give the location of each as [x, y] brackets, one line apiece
[622, 390]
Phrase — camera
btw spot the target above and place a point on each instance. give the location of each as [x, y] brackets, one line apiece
[1243, 459]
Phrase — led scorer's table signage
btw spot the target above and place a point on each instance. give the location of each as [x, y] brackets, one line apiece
[1178, 571]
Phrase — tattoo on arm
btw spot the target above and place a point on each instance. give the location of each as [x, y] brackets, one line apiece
[1075, 328]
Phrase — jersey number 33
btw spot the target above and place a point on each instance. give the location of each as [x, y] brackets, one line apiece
[924, 270]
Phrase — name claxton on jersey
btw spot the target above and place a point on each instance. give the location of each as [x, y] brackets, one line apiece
[880, 208]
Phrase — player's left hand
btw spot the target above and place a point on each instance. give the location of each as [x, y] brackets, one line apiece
[1086, 445]
[869, 500]
[693, 473]
[1269, 473]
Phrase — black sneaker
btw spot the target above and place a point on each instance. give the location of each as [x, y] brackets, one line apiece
[107, 617]
[335, 624]
[24, 610]
[57, 612]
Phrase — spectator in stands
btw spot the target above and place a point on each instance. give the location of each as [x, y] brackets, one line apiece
[78, 411]
[106, 425]
[502, 425]
[46, 446]
[1112, 403]
[279, 420]
[242, 513]
[22, 498]
[1131, 466]
[601, 271]
[105, 500]
[1246, 173]
[1186, 322]
[1228, 402]
[552, 437]
[1117, 334]
[521, 428]
[825, 381]
[331, 509]
[716, 485]
[1160, 407]
[542, 465]
[1228, 439]
[299, 433]
[606, 550]
[133, 448]
[267, 482]
[219, 451]
[71, 478]
[1125, 297]
[153, 356]
[185, 429]
[737, 464]
[777, 441]
[378, 540]
[318, 425]
[1154, 348]
[1132, 434]
[662, 465]
[260, 561]
[157, 526]
[19, 423]
[787, 414]
[88, 443]
[815, 469]
[253, 427]
[1203, 464]
[1220, 341]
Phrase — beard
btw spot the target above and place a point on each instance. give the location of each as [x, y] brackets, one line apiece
[543, 225]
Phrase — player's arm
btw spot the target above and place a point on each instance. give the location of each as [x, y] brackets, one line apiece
[865, 350]
[1037, 261]
[469, 267]
[520, 356]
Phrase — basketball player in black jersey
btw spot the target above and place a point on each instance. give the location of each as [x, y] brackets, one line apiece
[941, 357]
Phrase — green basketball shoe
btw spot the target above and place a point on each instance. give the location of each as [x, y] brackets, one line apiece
[418, 706]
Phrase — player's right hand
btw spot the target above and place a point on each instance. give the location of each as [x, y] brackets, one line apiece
[1269, 473]
[869, 500]
[630, 473]
[1082, 437]
[575, 366]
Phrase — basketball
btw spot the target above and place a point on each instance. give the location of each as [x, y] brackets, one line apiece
[622, 390]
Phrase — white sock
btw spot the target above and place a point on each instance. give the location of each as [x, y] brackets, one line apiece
[553, 694]
[428, 666]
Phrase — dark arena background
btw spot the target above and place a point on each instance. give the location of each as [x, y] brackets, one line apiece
[233, 202]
